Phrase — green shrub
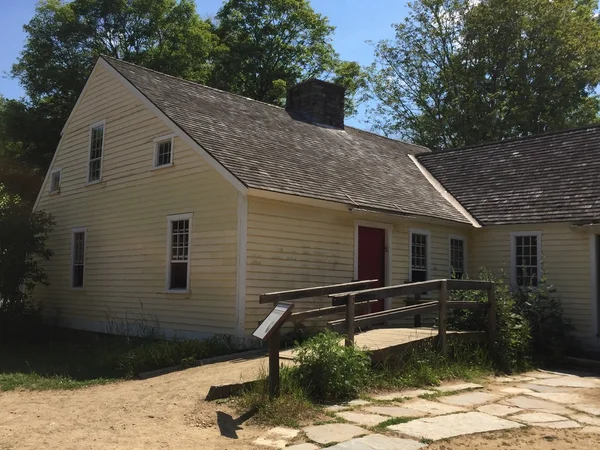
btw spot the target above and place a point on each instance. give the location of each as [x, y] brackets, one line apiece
[530, 322]
[328, 371]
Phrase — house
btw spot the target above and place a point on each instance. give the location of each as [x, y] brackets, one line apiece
[182, 203]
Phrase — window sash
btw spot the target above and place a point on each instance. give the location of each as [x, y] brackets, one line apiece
[96, 151]
[179, 254]
[55, 181]
[457, 256]
[419, 252]
[78, 262]
[163, 153]
[526, 261]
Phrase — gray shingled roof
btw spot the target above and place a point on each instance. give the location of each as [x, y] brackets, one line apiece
[266, 148]
[552, 177]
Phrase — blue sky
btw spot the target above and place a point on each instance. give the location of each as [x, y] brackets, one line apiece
[355, 20]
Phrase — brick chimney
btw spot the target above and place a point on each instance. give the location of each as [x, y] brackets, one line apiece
[319, 101]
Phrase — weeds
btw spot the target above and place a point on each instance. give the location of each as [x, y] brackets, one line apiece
[392, 421]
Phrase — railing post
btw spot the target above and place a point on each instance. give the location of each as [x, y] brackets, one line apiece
[492, 315]
[350, 321]
[274, 345]
[443, 312]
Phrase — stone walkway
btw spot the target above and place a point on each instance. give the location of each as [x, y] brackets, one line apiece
[412, 419]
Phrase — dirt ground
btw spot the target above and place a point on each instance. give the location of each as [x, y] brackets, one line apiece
[168, 412]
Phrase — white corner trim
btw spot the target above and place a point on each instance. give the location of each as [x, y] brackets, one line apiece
[449, 197]
[240, 286]
[389, 230]
[174, 127]
[594, 241]
[513, 254]
[427, 233]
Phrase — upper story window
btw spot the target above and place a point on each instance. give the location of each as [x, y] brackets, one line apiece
[457, 256]
[419, 255]
[55, 177]
[178, 270]
[163, 151]
[526, 249]
[78, 257]
[96, 152]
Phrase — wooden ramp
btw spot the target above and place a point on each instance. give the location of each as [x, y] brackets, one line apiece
[388, 342]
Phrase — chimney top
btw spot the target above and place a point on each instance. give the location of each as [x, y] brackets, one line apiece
[320, 101]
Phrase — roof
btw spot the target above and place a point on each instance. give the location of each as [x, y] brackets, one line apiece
[268, 148]
[551, 177]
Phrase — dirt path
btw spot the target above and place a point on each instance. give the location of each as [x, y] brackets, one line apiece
[166, 412]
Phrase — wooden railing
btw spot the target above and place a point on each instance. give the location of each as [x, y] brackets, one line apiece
[357, 296]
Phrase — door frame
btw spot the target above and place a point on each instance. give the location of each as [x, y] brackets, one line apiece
[389, 229]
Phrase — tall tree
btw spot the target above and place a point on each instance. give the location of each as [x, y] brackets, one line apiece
[65, 38]
[461, 72]
[273, 44]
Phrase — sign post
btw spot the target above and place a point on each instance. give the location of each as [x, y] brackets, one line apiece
[269, 330]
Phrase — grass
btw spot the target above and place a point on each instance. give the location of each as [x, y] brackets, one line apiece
[393, 421]
[70, 359]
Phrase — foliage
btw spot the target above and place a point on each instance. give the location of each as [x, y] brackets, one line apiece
[272, 45]
[461, 72]
[329, 371]
[530, 322]
[23, 237]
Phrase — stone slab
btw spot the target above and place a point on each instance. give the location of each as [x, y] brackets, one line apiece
[369, 420]
[305, 446]
[546, 420]
[336, 408]
[585, 419]
[379, 442]
[499, 410]
[443, 427]
[590, 430]
[403, 394]
[569, 381]
[359, 402]
[516, 391]
[333, 432]
[537, 405]
[273, 443]
[458, 387]
[539, 388]
[277, 437]
[504, 380]
[395, 411]
[542, 375]
[432, 408]
[564, 398]
[593, 410]
[470, 399]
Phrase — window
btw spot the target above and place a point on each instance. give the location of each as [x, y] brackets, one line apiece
[163, 151]
[419, 255]
[526, 258]
[457, 256]
[178, 276]
[96, 152]
[55, 180]
[78, 257]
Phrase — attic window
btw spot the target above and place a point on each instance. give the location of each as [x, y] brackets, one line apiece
[96, 152]
[163, 151]
[55, 180]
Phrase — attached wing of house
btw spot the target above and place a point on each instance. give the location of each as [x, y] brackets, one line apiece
[178, 204]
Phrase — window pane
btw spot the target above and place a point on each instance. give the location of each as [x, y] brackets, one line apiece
[419, 252]
[526, 260]
[163, 153]
[457, 257]
[78, 258]
[96, 142]
[178, 275]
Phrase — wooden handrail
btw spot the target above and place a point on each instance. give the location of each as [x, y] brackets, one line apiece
[304, 293]
[327, 311]
[391, 291]
[381, 316]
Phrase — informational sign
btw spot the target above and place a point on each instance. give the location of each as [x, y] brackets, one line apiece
[273, 321]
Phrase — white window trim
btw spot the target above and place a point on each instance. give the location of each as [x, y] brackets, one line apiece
[91, 127]
[458, 237]
[389, 229]
[170, 219]
[412, 231]
[157, 141]
[55, 191]
[85, 242]
[513, 254]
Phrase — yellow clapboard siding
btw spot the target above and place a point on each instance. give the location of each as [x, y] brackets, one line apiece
[126, 220]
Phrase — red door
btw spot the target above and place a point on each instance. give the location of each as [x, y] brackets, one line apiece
[371, 258]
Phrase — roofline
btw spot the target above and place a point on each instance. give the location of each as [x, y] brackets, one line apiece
[447, 195]
[211, 160]
[515, 139]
